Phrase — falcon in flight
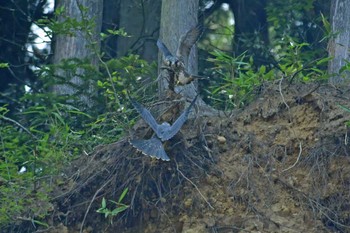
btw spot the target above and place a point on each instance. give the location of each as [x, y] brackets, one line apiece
[178, 63]
[154, 147]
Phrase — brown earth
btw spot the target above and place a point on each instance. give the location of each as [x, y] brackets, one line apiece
[279, 165]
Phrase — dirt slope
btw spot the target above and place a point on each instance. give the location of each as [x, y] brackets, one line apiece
[279, 165]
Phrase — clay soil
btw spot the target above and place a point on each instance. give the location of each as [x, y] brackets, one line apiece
[280, 164]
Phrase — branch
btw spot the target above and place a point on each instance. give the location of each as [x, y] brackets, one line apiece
[177, 168]
[300, 150]
[19, 125]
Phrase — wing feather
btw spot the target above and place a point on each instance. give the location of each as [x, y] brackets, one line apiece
[162, 47]
[145, 114]
[188, 40]
[152, 147]
[179, 122]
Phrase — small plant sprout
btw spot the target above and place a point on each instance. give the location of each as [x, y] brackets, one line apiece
[120, 207]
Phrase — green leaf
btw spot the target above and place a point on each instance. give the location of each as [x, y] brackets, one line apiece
[326, 24]
[118, 210]
[262, 69]
[58, 116]
[345, 67]
[80, 113]
[324, 60]
[123, 195]
[119, 32]
[4, 65]
[40, 223]
[344, 108]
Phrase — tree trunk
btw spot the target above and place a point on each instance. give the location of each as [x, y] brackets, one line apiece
[177, 17]
[110, 22]
[140, 19]
[250, 22]
[78, 45]
[339, 46]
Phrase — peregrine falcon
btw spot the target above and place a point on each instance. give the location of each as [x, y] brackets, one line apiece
[178, 63]
[153, 147]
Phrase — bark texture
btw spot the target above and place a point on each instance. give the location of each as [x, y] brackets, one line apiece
[339, 45]
[140, 19]
[250, 22]
[177, 18]
[79, 45]
[110, 22]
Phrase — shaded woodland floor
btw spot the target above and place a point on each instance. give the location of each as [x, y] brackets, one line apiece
[281, 164]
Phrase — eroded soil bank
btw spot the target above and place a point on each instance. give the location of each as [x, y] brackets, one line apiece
[279, 165]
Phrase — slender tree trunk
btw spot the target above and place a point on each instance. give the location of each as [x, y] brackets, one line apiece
[339, 46]
[177, 18]
[250, 22]
[79, 45]
[140, 19]
[110, 22]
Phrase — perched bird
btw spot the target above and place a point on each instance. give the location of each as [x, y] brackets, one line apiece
[174, 63]
[178, 63]
[153, 147]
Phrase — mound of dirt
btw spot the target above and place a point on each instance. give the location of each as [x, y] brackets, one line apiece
[279, 165]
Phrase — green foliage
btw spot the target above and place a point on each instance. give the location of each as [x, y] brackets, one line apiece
[64, 25]
[283, 14]
[347, 110]
[236, 80]
[119, 32]
[296, 65]
[326, 25]
[120, 207]
[220, 22]
[345, 68]
[127, 74]
[298, 34]
[51, 130]
[4, 65]
[296, 52]
[20, 192]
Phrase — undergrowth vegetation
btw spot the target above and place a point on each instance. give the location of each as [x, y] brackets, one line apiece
[50, 131]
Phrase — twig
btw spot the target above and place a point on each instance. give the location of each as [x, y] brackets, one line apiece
[177, 168]
[346, 136]
[280, 89]
[92, 200]
[18, 124]
[321, 208]
[300, 150]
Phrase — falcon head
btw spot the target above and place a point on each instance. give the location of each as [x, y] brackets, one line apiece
[173, 62]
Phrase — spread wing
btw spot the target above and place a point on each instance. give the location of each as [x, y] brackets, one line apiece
[188, 40]
[162, 47]
[152, 147]
[145, 114]
[179, 122]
